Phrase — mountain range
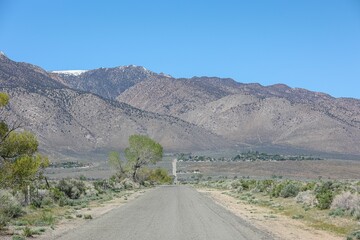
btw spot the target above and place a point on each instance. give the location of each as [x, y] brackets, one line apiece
[97, 110]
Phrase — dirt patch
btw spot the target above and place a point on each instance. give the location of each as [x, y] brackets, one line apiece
[325, 169]
[282, 227]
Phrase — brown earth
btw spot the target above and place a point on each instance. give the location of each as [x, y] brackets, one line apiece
[325, 169]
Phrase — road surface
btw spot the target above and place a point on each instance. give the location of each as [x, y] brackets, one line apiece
[167, 213]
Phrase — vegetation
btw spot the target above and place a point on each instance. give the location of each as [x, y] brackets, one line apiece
[319, 203]
[68, 164]
[20, 166]
[250, 156]
[142, 151]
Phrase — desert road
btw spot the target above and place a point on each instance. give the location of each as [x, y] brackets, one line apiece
[167, 213]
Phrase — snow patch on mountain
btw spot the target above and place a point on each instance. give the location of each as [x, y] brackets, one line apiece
[70, 72]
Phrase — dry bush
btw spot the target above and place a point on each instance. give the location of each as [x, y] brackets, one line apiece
[9, 208]
[349, 202]
[308, 197]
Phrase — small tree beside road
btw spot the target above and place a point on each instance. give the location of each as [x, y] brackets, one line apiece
[142, 151]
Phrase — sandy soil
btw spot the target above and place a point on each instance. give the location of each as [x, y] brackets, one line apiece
[281, 227]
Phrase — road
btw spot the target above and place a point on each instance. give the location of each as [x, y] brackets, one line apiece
[167, 213]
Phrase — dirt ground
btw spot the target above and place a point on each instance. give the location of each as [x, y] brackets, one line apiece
[325, 169]
[281, 227]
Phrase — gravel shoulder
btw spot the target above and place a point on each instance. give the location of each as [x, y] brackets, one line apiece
[281, 227]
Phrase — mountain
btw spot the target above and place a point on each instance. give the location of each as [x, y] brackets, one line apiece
[256, 115]
[106, 82]
[72, 121]
[14, 74]
[96, 110]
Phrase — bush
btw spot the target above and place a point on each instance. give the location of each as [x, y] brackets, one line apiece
[27, 232]
[308, 186]
[276, 190]
[9, 208]
[73, 189]
[348, 202]
[324, 195]
[264, 185]
[160, 176]
[46, 219]
[17, 237]
[308, 198]
[338, 212]
[289, 190]
[41, 198]
[354, 235]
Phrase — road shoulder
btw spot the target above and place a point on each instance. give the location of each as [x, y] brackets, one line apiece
[281, 227]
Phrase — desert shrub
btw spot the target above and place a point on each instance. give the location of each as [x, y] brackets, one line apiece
[9, 208]
[87, 216]
[324, 195]
[56, 194]
[337, 212]
[129, 184]
[46, 219]
[324, 199]
[72, 188]
[160, 176]
[235, 184]
[90, 189]
[289, 190]
[345, 201]
[308, 186]
[264, 185]
[277, 188]
[308, 198]
[354, 236]
[103, 185]
[40, 198]
[349, 202]
[27, 232]
[248, 183]
[17, 237]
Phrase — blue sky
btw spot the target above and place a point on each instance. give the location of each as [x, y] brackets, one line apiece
[313, 44]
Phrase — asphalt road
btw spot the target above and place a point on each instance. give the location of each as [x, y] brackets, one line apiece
[167, 213]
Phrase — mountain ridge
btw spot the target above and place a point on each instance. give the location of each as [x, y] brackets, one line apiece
[100, 108]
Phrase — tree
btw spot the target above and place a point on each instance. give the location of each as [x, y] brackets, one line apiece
[20, 164]
[117, 164]
[142, 151]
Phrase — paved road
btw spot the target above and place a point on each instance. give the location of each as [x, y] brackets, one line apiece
[167, 213]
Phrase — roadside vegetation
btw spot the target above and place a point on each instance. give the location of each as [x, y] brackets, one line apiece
[30, 203]
[327, 205]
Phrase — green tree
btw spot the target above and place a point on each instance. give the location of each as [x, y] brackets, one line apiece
[142, 151]
[117, 164]
[20, 164]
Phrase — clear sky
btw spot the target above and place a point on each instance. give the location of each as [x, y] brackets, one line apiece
[313, 44]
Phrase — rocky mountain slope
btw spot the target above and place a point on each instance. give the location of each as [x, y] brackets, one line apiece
[67, 120]
[253, 114]
[100, 108]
